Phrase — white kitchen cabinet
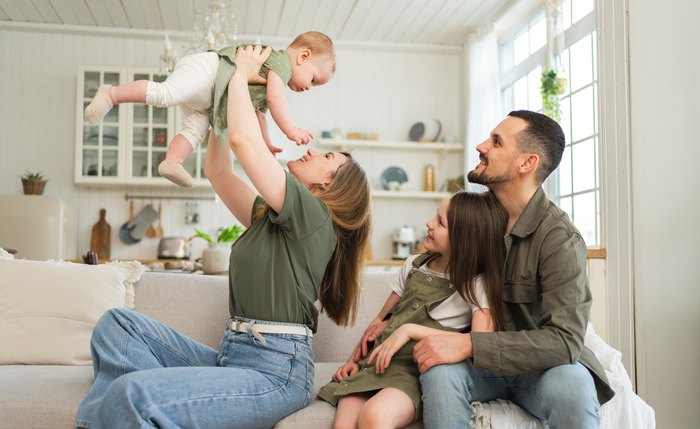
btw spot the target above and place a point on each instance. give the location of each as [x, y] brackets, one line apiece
[127, 146]
[99, 153]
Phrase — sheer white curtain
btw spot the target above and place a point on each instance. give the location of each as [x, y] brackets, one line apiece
[483, 92]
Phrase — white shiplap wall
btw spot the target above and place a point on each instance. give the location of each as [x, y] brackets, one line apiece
[376, 89]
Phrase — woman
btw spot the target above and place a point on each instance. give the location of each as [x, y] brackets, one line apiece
[307, 230]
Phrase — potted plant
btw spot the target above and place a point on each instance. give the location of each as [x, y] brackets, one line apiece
[33, 183]
[454, 184]
[215, 257]
[551, 87]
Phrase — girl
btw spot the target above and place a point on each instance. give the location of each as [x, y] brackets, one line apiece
[307, 231]
[465, 255]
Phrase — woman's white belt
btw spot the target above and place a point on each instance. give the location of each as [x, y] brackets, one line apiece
[256, 329]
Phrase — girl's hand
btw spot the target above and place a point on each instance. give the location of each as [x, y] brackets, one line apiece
[371, 333]
[385, 351]
[249, 60]
[346, 370]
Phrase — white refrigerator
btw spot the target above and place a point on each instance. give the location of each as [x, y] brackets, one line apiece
[39, 227]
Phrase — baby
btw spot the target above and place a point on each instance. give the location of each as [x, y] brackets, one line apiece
[199, 84]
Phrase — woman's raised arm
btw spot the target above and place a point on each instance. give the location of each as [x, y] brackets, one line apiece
[244, 135]
[233, 191]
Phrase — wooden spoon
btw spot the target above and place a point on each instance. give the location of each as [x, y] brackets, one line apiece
[159, 228]
[150, 232]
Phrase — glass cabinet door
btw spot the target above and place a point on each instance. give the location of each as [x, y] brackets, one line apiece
[130, 142]
[99, 153]
[150, 131]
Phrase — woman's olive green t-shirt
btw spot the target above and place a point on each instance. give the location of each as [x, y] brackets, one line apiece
[277, 265]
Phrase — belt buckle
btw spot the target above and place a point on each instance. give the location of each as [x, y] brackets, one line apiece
[238, 325]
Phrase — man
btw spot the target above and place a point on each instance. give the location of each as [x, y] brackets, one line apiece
[539, 360]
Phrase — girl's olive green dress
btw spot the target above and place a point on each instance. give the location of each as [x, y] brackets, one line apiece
[423, 292]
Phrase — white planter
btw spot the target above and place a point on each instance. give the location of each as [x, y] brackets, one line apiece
[215, 258]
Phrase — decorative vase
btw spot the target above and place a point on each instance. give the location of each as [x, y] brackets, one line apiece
[33, 187]
[215, 258]
[561, 85]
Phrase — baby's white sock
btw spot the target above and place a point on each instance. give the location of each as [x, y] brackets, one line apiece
[99, 106]
[176, 173]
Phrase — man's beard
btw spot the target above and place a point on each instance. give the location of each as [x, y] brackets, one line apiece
[483, 179]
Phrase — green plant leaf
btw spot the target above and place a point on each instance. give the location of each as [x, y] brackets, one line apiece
[203, 235]
[549, 90]
[32, 176]
[230, 234]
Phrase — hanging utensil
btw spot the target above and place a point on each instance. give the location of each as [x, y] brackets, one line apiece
[151, 232]
[125, 230]
[159, 228]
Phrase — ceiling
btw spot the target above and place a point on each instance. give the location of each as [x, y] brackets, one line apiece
[439, 22]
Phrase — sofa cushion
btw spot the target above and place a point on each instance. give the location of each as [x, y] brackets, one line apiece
[195, 305]
[48, 309]
[42, 396]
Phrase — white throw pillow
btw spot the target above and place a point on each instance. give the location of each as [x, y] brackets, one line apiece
[48, 309]
[4, 254]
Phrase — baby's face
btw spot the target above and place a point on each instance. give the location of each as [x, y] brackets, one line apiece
[313, 71]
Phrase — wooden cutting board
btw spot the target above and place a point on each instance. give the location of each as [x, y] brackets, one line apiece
[100, 240]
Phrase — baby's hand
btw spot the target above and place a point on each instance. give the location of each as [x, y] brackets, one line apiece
[273, 149]
[300, 136]
[346, 370]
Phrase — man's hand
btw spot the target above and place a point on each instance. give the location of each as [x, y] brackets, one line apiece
[346, 370]
[250, 59]
[371, 333]
[300, 136]
[441, 349]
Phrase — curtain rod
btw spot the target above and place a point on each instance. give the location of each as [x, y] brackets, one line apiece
[169, 197]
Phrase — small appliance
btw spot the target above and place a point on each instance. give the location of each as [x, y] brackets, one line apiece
[173, 248]
[404, 242]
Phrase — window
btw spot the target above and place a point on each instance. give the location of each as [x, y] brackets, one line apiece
[575, 185]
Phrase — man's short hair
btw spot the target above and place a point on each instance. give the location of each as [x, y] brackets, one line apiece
[544, 137]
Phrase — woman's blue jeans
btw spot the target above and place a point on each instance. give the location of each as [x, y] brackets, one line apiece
[149, 375]
[564, 397]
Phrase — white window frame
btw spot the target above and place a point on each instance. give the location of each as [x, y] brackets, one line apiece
[579, 30]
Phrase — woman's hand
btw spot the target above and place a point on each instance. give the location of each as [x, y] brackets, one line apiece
[346, 370]
[249, 60]
[386, 350]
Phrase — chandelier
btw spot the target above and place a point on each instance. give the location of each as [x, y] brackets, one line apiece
[214, 29]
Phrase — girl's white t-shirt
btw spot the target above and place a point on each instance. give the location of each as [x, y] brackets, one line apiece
[453, 312]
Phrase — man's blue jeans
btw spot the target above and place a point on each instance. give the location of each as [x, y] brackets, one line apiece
[149, 375]
[564, 397]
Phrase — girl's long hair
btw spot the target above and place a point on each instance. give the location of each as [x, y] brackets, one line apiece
[348, 198]
[476, 226]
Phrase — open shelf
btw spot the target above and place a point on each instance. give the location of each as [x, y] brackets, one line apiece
[380, 144]
[380, 193]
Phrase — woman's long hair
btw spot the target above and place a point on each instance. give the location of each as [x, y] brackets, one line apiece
[348, 198]
[476, 226]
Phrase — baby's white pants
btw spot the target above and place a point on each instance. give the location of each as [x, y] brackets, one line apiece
[189, 86]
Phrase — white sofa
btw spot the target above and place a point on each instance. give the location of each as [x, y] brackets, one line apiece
[47, 396]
